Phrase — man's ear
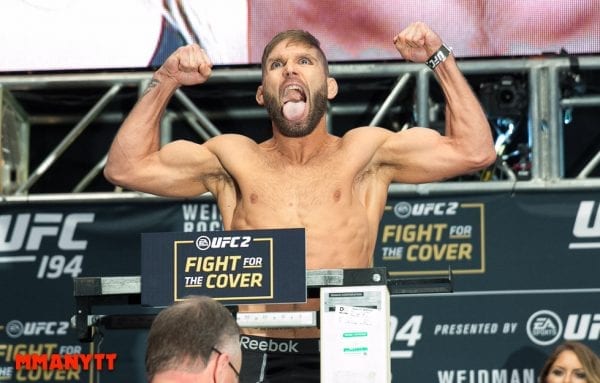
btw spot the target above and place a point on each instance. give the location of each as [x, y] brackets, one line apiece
[221, 366]
[332, 88]
[260, 96]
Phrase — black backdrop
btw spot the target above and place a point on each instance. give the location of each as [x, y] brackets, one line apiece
[525, 271]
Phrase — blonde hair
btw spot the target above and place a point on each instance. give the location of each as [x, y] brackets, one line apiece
[588, 359]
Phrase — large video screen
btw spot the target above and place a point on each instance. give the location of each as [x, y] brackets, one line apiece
[72, 35]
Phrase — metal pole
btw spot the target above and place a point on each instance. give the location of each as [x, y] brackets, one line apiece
[197, 112]
[385, 106]
[85, 181]
[423, 97]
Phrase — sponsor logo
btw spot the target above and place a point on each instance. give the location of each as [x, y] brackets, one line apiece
[28, 235]
[283, 346]
[235, 241]
[545, 327]
[431, 237]
[586, 228]
[32, 233]
[405, 209]
[16, 328]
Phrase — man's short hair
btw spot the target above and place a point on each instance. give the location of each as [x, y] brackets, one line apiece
[295, 36]
[183, 335]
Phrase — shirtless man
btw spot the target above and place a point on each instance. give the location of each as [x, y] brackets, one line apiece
[334, 187]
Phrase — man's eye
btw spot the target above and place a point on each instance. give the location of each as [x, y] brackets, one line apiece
[304, 60]
[276, 64]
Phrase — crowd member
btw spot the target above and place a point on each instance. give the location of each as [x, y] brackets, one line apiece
[571, 362]
[334, 187]
[194, 340]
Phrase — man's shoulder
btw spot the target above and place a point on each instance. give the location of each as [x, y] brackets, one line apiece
[232, 138]
[231, 147]
[231, 143]
[365, 134]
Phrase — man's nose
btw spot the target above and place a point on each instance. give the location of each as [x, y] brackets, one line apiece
[290, 69]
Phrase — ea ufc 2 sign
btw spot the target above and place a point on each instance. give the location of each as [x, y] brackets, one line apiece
[236, 267]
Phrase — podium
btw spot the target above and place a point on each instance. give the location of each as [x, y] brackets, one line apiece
[354, 315]
[260, 267]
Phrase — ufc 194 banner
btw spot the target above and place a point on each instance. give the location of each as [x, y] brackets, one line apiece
[43, 246]
[525, 271]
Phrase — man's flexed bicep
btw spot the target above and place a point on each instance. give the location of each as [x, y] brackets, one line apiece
[422, 155]
[466, 144]
[135, 159]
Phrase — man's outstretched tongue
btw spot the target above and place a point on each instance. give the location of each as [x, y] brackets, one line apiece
[294, 110]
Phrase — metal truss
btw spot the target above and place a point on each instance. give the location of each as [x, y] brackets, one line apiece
[381, 92]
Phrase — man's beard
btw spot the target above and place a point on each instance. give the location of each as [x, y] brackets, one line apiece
[318, 106]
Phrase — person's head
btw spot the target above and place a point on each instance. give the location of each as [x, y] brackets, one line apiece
[193, 340]
[571, 362]
[295, 83]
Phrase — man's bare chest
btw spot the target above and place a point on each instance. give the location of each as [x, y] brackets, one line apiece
[298, 188]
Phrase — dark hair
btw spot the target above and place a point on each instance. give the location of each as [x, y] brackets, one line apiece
[588, 359]
[183, 335]
[294, 36]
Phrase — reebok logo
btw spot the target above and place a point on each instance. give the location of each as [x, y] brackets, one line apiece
[284, 346]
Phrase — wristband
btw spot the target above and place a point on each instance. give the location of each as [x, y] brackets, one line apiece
[438, 57]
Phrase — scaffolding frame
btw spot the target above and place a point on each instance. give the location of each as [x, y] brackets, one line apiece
[545, 113]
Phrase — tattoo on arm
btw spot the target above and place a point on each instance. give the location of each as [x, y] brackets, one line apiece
[153, 83]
